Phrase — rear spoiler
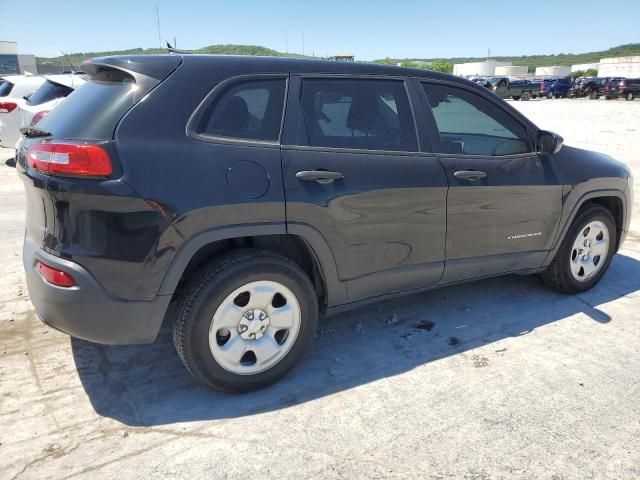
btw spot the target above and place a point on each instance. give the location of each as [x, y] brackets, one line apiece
[157, 67]
[146, 71]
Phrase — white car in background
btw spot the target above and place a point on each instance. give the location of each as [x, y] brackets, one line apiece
[13, 90]
[53, 91]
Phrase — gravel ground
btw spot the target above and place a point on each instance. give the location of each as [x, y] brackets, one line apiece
[495, 379]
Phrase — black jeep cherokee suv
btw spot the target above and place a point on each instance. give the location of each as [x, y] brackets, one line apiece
[257, 192]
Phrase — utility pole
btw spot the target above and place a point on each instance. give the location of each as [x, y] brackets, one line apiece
[302, 43]
[175, 43]
[489, 54]
[158, 18]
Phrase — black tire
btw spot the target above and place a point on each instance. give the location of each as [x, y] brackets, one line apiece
[206, 290]
[526, 96]
[629, 96]
[550, 95]
[558, 275]
[515, 97]
[593, 95]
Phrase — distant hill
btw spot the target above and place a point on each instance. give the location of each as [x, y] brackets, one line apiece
[75, 59]
[533, 61]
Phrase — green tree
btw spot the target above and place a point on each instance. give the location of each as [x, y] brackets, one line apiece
[440, 66]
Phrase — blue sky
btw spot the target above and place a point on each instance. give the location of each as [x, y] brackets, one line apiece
[368, 29]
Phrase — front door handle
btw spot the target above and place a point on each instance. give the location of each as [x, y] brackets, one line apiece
[471, 175]
[320, 176]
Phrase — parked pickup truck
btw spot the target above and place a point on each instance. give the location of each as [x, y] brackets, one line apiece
[516, 89]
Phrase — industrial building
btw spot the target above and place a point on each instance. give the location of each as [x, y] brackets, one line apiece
[511, 71]
[13, 63]
[628, 67]
[555, 71]
[481, 69]
[581, 67]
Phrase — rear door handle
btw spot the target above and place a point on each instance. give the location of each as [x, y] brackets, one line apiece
[471, 175]
[319, 176]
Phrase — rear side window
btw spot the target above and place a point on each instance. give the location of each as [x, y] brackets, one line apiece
[95, 108]
[250, 110]
[357, 113]
[470, 124]
[5, 88]
[48, 91]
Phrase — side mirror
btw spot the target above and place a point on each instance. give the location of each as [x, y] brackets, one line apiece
[549, 142]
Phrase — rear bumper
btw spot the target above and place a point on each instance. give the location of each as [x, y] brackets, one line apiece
[87, 311]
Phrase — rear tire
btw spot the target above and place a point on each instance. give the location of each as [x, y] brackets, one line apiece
[565, 272]
[244, 320]
[550, 95]
[515, 97]
[629, 97]
[593, 95]
[526, 96]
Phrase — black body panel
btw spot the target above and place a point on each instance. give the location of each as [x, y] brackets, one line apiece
[395, 222]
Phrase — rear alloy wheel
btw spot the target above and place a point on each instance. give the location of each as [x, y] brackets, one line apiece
[629, 96]
[585, 253]
[526, 96]
[245, 320]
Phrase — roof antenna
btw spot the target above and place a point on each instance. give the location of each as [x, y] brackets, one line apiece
[70, 64]
[175, 50]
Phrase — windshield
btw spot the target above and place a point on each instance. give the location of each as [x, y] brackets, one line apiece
[48, 91]
[93, 111]
[5, 88]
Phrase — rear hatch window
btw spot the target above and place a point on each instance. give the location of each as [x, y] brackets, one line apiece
[93, 111]
[5, 88]
[48, 91]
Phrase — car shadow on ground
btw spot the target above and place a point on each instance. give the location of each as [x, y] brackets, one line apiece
[147, 385]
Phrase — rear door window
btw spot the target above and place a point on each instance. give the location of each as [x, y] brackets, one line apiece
[248, 110]
[5, 88]
[366, 114]
[48, 91]
[472, 125]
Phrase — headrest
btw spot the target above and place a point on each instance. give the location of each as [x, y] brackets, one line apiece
[363, 112]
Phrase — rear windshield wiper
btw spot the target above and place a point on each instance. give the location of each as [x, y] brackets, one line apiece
[31, 132]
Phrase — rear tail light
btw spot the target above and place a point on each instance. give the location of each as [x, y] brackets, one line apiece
[54, 276]
[58, 158]
[7, 107]
[39, 116]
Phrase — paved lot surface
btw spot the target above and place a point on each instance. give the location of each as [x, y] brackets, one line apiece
[497, 379]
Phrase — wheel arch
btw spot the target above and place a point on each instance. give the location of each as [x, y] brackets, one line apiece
[300, 243]
[612, 200]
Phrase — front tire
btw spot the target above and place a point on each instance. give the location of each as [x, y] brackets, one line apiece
[244, 320]
[585, 253]
[629, 97]
[526, 96]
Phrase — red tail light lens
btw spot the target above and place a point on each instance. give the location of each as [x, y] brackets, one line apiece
[55, 276]
[7, 107]
[39, 116]
[58, 158]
